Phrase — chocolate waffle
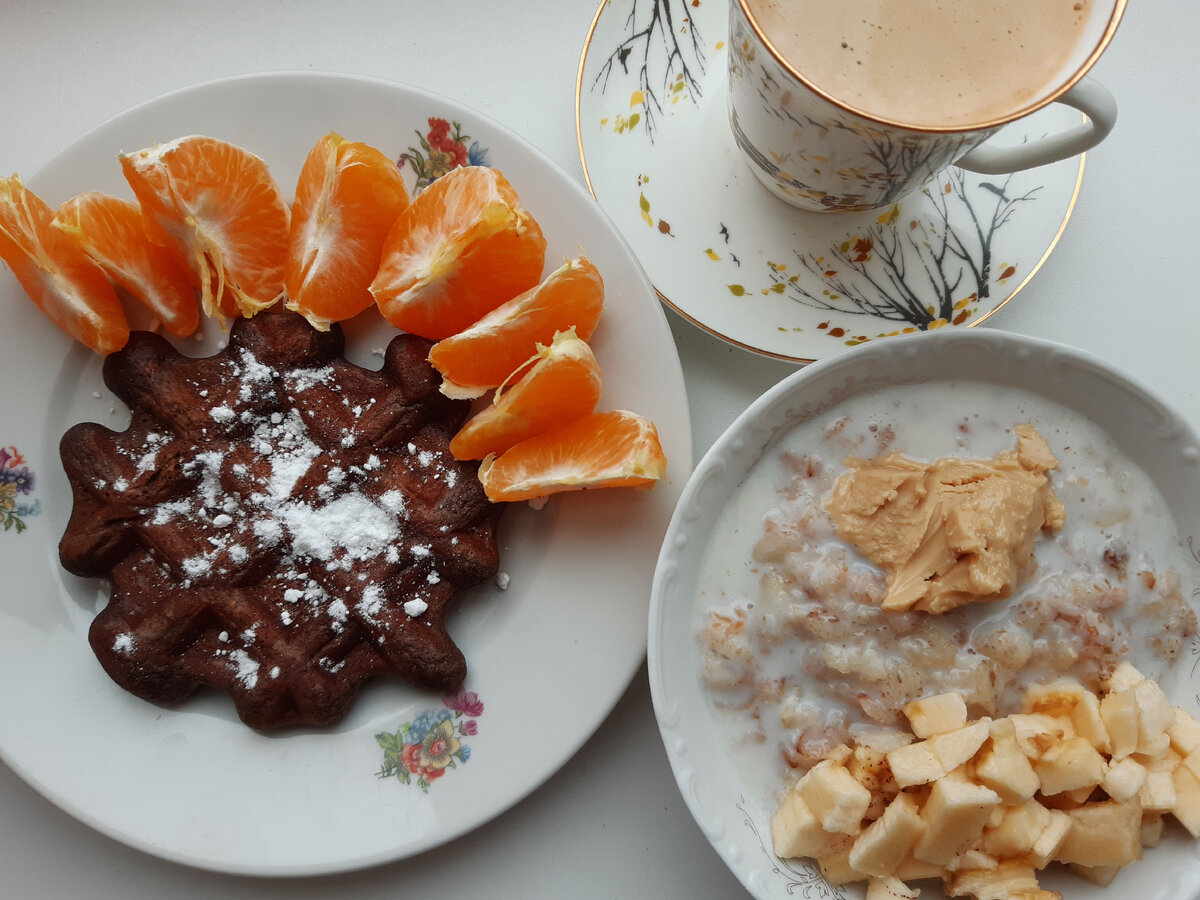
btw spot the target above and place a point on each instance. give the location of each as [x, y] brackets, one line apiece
[276, 522]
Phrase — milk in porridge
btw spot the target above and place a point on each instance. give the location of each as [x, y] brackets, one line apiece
[795, 650]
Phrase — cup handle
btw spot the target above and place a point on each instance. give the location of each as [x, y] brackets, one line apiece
[1089, 97]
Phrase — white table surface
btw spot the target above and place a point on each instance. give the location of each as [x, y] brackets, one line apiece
[610, 823]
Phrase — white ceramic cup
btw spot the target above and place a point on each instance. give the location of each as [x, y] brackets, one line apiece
[818, 153]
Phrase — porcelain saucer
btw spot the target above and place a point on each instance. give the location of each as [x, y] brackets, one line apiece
[720, 250]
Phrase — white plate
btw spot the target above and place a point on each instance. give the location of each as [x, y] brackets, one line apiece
[548, 658]
[658, 154]
[728, 798]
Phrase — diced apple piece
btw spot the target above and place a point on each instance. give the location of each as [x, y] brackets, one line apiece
[953, 748]
[1047, 845]
[835, 865]
[1089, 723]
[1158, 793]
[887, 842]
[1035, 733]
[1017, 831]
[1168, 761]
[1152, 829]
[1078, 797]
[1192, 762]
[1157, 746]
[1004, 768]
[1067, 725]
[915, 764]
[936, 715]
[1103, 834]
[1069, 766]
[1007, 880]
[1009, 773]
[954, 815]
[1057, 699]
[913, 869]
[836, 799]
[1101, 875]
[1187, 800]
[839, 755]
[1154, 715]
[972, 859]
[796, 831]
[1030, 832]
[1184, 731]
[1124, 779]
[890, 889]
[884, 740]
[1123, 677]
[1118, 709]
[870, 769]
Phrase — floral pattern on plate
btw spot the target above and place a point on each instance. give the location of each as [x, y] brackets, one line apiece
[432, 743]
[445, 147]
[16, 482]
[659, 157]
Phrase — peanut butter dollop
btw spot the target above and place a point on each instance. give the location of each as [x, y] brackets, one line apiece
[950, 532]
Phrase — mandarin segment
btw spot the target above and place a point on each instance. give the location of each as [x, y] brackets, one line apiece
[112, 233]
[220, 205]
[561, 384]
[461, 248]
[606, 449]
[348, 196]
[486, 353]
[56, 273]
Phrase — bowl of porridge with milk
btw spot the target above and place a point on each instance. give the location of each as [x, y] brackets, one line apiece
[926, 619]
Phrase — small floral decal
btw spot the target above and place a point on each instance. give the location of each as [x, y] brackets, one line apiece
[431, 743]
[16, 481]
[443, 149]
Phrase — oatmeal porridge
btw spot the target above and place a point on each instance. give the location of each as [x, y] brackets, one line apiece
[798, 653]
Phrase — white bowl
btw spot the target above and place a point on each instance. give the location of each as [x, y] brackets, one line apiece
[732, 812]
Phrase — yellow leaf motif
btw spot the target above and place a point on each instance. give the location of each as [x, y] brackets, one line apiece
[737, 290]
[890, 216]
[644, 204]
[712, 254]
[636, 98]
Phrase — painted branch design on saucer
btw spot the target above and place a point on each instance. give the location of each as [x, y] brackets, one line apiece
[662, 50]
[919, 272]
